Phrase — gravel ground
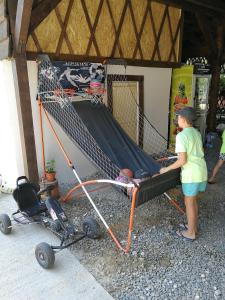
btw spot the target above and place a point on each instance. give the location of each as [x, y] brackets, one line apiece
[159, 265]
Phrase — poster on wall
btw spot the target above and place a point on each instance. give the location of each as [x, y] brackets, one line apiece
[181, 96]
[77, 76]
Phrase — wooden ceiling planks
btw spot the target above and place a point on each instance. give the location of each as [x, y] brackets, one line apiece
[63, 25]
[40, 11]
[144, 26]
[110, 29]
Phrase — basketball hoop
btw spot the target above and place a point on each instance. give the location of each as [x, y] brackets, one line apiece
[92, 91]
[69, 92]
[95, 94]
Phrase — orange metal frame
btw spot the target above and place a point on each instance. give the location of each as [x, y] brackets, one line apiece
[82, 184]
[71, 191]
[130, 228]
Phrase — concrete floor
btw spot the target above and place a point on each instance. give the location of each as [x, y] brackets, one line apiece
[21, 277]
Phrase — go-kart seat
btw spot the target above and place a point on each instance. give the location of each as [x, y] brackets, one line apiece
[27, 198]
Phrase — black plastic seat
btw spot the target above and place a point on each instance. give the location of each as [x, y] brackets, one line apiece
[27, 198]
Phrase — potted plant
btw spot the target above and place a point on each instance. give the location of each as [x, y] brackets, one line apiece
[50, 170]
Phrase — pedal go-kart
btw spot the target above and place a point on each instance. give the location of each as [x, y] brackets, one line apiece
[49, 213]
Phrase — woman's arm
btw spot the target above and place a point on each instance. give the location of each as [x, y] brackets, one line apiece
[182, 159]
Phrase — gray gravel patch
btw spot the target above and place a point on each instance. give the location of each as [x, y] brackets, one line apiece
[159, 265]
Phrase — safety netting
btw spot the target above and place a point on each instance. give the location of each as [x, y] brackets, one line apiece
[112, 134]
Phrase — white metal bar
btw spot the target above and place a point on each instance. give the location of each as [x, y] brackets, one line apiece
[128, 185]
[91, 201]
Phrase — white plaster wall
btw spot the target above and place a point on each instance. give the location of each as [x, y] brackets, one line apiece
[156, 93]
[11, 163]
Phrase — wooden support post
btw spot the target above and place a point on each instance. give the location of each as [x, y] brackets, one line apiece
[216, 62]
[216, 50]
[21, 83]
[19, 21]
[24, 8]
[213, 95]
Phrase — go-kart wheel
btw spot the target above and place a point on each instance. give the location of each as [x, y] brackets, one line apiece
[5, 224]
[45, 255]
[91, 228]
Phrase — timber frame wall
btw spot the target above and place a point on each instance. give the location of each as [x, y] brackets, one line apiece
[146, 33]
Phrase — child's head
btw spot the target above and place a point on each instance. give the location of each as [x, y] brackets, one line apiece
[186, 116]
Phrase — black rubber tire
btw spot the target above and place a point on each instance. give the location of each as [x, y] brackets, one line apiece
[5, 224]
[91, 228]
[45, 255]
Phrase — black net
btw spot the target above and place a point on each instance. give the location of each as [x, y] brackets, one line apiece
[122, 102]
[59, 103]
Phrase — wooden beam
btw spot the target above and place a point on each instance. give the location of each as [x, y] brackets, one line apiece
[141, 31]
[21, 82]
[215, 5]
[196, 6]
[23, 14]
[215, 62]
[41, 12]
[220, 40]
[153, 28]
[117, 34]
[181, 36]
[138, 42]
[92, 29]
[159, 34]
[213, 95]
[36, 42]
[174, 39]
[114, 27]
[63, 26]
[206, 30]
[101, 59]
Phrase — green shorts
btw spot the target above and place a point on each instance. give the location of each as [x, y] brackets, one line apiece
[192, 189]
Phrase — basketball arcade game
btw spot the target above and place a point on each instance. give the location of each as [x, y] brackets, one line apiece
[53, 99]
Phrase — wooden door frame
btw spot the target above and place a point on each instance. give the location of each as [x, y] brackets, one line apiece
[136, 78]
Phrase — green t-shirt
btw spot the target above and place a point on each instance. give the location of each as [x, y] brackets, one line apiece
[222, 149]
[189, 140]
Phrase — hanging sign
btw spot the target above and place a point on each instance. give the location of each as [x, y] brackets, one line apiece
[78, 76]
[181, 96]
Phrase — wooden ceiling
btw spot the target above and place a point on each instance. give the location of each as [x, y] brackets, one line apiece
[203, 28]
[201, 21]
[102, 29]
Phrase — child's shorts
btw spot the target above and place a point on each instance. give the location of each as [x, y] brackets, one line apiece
[192, 189]
[222, 156]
